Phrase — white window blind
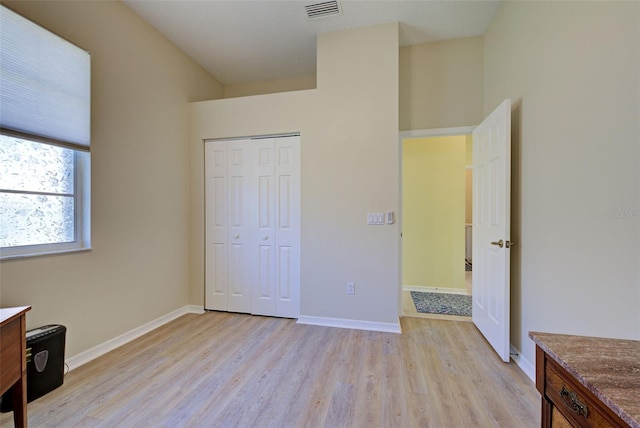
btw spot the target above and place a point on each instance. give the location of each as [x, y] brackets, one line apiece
[45, 83]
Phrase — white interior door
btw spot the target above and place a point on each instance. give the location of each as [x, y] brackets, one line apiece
[491, 227]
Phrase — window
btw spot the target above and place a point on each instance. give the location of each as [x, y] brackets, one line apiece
[42, 197]
[44, 141]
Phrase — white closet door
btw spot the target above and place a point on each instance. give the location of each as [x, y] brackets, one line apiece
[264, 299]
[287, 212]
[216, 226]
[240, 207]
[253, 226]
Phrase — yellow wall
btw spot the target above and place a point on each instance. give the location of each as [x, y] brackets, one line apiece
[433, 212]
[349, 164]
[138, 268]
[572, 71]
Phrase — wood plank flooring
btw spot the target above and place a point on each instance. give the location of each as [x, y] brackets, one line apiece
[231, 370]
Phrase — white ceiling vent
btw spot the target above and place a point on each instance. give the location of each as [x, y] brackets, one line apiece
[323, 9]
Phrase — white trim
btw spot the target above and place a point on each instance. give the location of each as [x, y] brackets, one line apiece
[195, 309]
[353, 324]
[524, 364]
[442, 290]
[254, 137]
[111, 344]
[437, 132]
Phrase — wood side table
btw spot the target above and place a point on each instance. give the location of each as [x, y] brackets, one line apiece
[13, 360]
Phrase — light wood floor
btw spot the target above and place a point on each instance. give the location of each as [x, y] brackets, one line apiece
[231, 370]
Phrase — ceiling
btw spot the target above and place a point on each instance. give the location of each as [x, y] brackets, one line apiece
[249, 40]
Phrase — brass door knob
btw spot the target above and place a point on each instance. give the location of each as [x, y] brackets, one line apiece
[502, 243]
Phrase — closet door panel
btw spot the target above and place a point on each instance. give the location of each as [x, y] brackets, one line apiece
[216, 226]
[287, 174]
[264, 291]
[285, 271]
[264, 296]
[239, 229]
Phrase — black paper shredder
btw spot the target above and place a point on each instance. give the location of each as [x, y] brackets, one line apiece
[45, 363]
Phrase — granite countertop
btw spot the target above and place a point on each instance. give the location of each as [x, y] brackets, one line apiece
[609, 368]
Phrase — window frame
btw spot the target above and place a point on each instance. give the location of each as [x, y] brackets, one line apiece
[82, 206]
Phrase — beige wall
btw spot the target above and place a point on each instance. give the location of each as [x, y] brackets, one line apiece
[263, 87]
[433, 207]
[349, 166]
[572, 72]
[138, 269]
[441, 84]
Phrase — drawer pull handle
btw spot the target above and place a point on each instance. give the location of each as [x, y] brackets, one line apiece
[573, 403]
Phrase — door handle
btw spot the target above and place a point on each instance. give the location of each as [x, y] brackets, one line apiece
[502, 243]
[265, 238]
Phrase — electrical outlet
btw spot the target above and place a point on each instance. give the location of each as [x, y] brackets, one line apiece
[351, 288]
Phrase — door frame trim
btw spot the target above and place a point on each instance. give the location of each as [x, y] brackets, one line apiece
[435, 132]
[417, 133]
[254, 137]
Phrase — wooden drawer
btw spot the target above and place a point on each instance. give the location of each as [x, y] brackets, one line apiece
[575, 402]
[10, 354]
[558, 420]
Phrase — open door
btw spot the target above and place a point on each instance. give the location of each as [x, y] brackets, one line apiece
[491, 227]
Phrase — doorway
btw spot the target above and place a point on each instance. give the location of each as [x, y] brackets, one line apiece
[436, 218]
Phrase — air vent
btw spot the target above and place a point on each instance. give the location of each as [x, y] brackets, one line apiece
[323, 10]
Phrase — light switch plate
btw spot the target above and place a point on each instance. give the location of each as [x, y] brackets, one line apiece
[375, 218]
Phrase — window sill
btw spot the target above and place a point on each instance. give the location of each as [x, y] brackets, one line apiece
[7, 257]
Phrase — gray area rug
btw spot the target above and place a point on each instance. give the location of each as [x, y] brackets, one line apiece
[441, 303]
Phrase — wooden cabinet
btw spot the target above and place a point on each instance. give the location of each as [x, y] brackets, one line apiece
[558, 420]
[587, 381]
[13, 360]
[565, 401]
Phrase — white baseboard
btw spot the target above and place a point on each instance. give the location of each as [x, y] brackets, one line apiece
[99, 350]
[353, 324]
[524, 364]
[195, 309]
[434, 289]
